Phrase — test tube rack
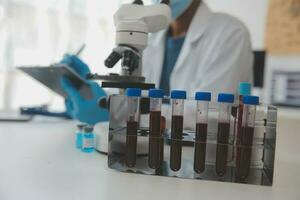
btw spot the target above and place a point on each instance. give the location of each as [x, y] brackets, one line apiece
[262, 156]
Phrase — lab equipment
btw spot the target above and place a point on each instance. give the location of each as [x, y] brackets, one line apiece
[178, 97]
[133, 24]
[88, 140]
[51, 76]
[244, 90]
[133, 100]
[246, 137]
[79, 135]
[225, 106]
[203, 99]
[156, 139]
[262, 155]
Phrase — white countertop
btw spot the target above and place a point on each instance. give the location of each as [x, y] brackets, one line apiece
[38, 161]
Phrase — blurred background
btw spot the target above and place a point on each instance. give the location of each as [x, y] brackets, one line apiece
[35, 32]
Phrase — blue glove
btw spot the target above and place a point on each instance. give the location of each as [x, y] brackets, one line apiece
[79, 108]
[75, 63]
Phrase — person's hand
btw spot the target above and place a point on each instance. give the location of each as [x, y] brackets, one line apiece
[79, 108]
[86, 111]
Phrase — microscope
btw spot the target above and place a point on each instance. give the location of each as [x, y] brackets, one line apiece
[134, 22]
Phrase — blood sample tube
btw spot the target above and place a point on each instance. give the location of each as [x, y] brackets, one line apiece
[244, 90]
[178, 98]
[155, 137]
[203, 99]
[246, 137]
[225, 105]
[133, 99]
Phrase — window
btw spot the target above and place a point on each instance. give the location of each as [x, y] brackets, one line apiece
[34, 32]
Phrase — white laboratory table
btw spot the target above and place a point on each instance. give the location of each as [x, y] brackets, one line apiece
[38, 161]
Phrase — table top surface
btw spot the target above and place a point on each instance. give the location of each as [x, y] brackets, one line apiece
[39, 161]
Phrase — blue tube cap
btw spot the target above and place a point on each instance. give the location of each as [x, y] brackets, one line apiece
[203, 96]
[251, 100]
[226, 98]
[133, 92]
[178, 94]
[156, 93]
[245, 89]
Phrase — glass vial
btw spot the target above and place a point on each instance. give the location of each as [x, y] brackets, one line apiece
[225, 106]
[203, 99]
[244, 90]
[79, 135]
[246, 137]
[155, 138]
[178, 97]
[133, 99]
[88, 140]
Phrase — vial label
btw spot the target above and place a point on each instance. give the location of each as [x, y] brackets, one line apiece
[88, 143]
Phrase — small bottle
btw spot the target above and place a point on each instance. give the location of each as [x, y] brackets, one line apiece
[178, 98]
[203, 99]
[88, 140]
[79, 135]
[246, 137]
[155, 137]
[225, 106]
[133, 99]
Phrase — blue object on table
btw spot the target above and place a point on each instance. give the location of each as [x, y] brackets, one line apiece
[84, 110]
[79, 135]
[43, 111]
[88, 140]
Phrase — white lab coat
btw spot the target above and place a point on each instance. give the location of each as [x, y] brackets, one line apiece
[215, 57]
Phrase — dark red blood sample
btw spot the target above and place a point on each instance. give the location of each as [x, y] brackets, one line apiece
[239, 126]
[131, 144]
[176, 144]
[155, 140]
[222, 148]
[155, 123]
[163, 129]
[200, 147]
[244, 150]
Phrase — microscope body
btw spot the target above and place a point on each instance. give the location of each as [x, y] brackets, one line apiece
[134, 23]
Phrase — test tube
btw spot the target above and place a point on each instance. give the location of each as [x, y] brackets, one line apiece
[225, 105]
[133, 99]
[203, 99]
[246, 137]
[155, 137]
[178, 97]
[244, 90]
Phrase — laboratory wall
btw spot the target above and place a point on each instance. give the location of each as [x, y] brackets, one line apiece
[254, 14]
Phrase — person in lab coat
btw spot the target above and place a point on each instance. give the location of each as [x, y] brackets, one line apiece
[201, 51]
